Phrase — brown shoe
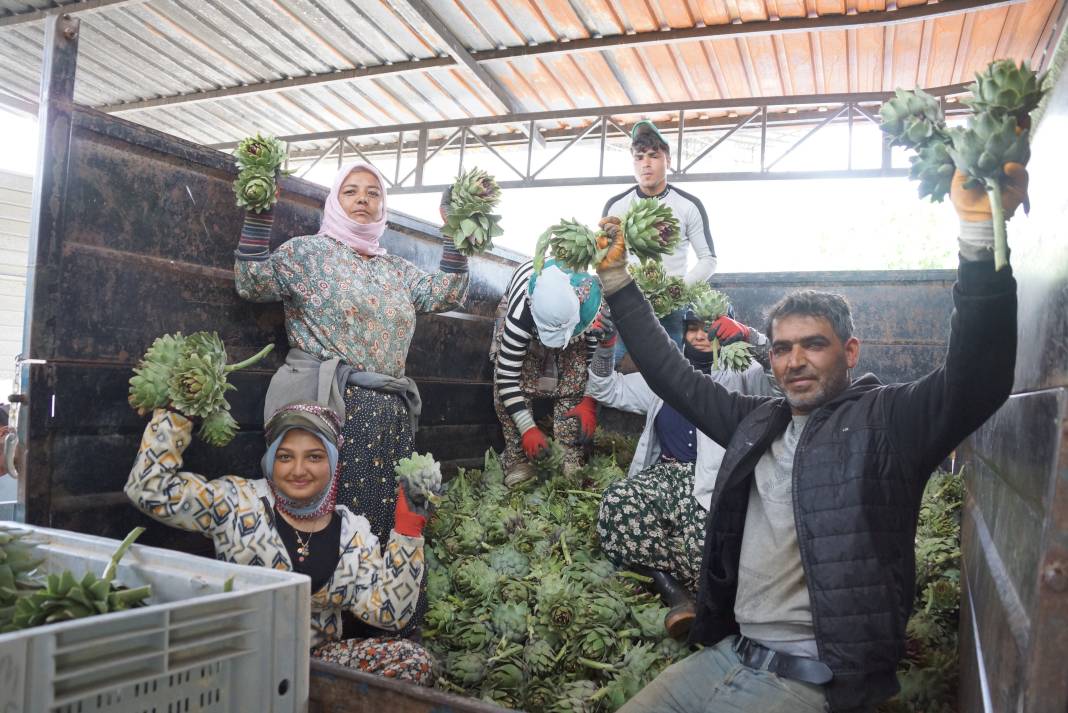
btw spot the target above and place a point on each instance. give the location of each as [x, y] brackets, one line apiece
[679, 619]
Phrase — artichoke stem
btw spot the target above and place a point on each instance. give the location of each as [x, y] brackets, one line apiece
[109, 572]
[131, 596]
[997, 215]
[564, 550]
[251, 360]
[595, 664]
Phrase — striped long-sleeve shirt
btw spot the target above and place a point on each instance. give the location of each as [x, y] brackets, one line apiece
[518, 330]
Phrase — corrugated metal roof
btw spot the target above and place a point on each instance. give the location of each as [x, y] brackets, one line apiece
[214, 71]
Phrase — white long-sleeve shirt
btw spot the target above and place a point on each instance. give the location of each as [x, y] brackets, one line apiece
[693, 229]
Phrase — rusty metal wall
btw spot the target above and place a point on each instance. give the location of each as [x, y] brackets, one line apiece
[135, 237]
[1014, 618]
[901, 316]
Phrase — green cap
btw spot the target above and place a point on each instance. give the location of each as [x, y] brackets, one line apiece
[645, 127]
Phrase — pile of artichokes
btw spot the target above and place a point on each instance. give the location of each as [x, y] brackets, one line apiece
[1002, 99]
[188, 374]
[524, 609]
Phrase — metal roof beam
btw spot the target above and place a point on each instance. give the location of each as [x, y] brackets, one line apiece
[913, 13]
[594, 112]
[22, 105]
[73, 8]
[456, 49]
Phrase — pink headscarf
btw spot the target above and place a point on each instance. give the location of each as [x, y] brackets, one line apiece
[363, 238]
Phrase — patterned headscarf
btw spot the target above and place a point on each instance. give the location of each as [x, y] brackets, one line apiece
[320, 421]
[361, 237]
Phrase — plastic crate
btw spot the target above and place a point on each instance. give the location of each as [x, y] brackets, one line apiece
[196, 648]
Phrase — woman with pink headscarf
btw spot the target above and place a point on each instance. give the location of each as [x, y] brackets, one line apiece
[350, 310]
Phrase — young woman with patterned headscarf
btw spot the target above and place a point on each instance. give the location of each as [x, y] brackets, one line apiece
[289, 520]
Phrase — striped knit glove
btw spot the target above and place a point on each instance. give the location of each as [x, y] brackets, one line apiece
[451, 259]
[255, 242]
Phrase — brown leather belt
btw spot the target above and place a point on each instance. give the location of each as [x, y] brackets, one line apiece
[796, 668]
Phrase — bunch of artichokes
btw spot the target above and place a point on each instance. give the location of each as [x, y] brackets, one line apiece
[665, 293]
[1003, 96]
[650, 231]
[526, 612]
[188, 374]
[259, 159]
[470, 220]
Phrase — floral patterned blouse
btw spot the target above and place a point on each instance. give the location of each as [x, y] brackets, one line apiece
[338, 304]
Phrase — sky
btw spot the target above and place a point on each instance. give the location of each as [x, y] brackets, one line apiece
[757, 226]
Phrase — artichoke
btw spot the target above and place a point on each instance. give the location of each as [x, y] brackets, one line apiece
[572, 244]
[198, 385]
[933, 167]
[650, 229]
[736, 356]
[470, 220]
[219, 428]
[666, 294]
[255, 190]
[1006, 89]
[709, 305]
[467, 668]
[475, 579]
[599, 643]
[507, 561]
[509, 620]
[440, 615]
[150, 384]
[505, 678]
[575, 697]
[912, 119]
[551, 460]
[981, 152]
[540, 657]
[264, 152]
[421, 476]
[608, 611]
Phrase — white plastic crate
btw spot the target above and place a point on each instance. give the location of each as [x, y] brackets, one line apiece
[196, 648]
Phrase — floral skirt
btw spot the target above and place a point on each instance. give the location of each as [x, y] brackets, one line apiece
[377, 434]
[653, 520]
[393, 658]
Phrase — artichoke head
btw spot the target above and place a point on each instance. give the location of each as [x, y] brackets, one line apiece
[1006, 89]
[150, 384]
[982, 150]
[219, 428]
[933, 167]
[912, 118]
[510, 620]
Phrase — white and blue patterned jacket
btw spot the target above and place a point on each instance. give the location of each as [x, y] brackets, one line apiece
[381, 590]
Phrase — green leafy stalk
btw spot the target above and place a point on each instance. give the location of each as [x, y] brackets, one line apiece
[251, 360]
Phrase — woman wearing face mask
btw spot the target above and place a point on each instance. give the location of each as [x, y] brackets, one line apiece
[541, 348]
[289, 520]
[350, 310]
[653, 521]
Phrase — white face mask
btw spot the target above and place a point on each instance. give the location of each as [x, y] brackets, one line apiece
[555, 307]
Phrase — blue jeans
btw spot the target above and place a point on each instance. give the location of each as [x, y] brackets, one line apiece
[672, 324]
[714, 680]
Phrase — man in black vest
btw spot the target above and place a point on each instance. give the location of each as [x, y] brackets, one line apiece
[808, 570]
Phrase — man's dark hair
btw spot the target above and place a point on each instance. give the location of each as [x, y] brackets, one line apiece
[649, 140]
[446, 197]
[828, 305]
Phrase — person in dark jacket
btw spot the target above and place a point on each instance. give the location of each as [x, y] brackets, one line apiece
[808, 570]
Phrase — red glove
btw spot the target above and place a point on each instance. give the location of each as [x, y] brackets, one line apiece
[534, 442]
[586, 413]
[603, 329]
[406, 522]
[728, 331]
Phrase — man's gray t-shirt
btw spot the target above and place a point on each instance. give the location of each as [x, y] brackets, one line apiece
[772, 606]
